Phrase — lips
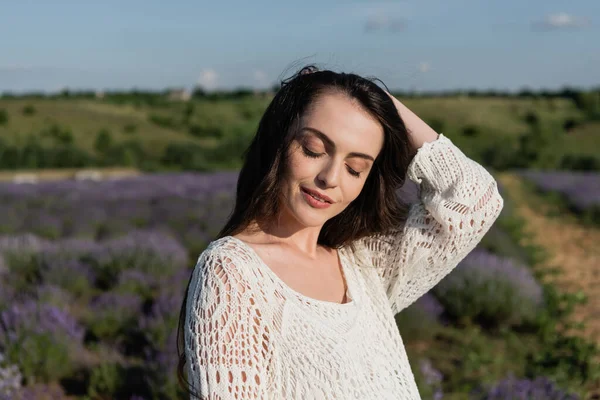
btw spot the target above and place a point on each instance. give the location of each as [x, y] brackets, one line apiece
[317, 194]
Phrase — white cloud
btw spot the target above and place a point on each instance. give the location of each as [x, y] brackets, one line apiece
[382, 21]
[261, 78]
[371, 15]
[370, 9]
[208, 78]
[562, 21]
[424, 66]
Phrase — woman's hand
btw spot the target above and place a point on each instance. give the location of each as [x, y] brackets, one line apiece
[418, 131]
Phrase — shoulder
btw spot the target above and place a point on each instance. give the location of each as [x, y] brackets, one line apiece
[226, 271]
[224, 249]
[221, 268]
[222, 257]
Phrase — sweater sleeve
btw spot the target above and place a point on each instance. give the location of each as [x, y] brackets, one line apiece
[227, 344]
[459, 201]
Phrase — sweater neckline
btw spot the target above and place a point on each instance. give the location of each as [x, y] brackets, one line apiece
[350, 291]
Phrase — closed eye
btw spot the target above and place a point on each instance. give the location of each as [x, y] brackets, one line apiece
[311, 154]
[353, 172]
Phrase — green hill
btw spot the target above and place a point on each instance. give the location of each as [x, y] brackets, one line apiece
[210, 134]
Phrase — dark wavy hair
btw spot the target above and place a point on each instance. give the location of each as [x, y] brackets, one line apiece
[377, 208]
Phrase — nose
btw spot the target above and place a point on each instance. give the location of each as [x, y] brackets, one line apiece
[329, 175]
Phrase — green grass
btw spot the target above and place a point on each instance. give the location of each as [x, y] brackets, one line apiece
[498, 119]
[493, 115]
[85, 118]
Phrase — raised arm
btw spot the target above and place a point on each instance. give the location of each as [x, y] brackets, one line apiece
[459, 202]
[226, 337]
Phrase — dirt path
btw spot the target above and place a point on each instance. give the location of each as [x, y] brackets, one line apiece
[572, 248]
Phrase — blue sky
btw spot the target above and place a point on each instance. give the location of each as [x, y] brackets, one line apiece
[421, 45]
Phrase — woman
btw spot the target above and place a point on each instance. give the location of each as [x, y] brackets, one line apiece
[297, 296]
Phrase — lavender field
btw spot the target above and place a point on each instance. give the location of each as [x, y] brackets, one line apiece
[581, 190]
[93, 275]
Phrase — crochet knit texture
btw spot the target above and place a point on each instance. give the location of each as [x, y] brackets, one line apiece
[248, 335]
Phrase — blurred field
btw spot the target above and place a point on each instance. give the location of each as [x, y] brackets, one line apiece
[94, 269]
[85, 119]
[573, 250]
[226, 126]
[66, 173]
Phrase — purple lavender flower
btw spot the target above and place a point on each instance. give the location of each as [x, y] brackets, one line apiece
[429, 305]
[51, 294]
[147, 250]
[43, 224]
[10, 379]
[433, 378]
[40, 392]
[526, 389]
[138, 282]
[110, 301]
[38, 318]
[162, 317]
[172, 203]
[432, 375]
[22, 243]
[162, 361]
[491, 289]
[421, 318]
[3, 265]
[582, 189]
[112, 313]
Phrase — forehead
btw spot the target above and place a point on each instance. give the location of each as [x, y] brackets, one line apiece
[346, 123]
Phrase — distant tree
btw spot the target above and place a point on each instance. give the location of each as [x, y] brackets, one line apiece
[241, 92]
[472, 93]
[470, 131]
[130, 128]
[3, 117]
[103, 141]
[570, 124]
[526, 92]
[589, 103]
[580, 162]
[58, 134]
[129, 153]
[198, 92]
[32, 154]
[163, 120]
[568, 93]
[28, 110]
[188, 111]
[186, 156]
[202, 132]
[532, 119]
[534, 142]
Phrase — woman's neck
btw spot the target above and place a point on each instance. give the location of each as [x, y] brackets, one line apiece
[301, 239]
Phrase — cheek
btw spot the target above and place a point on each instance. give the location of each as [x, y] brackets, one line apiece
[352, 191]
[300, 167]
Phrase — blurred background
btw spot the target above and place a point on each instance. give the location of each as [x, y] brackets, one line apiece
[122, 126]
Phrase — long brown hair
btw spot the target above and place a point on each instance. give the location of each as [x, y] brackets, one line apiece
[376, 209]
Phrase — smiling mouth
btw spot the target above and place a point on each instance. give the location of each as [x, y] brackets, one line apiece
[317, 195]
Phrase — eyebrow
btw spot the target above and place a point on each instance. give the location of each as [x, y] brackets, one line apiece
[326, 139]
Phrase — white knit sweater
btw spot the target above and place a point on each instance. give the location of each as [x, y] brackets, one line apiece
[250, 336]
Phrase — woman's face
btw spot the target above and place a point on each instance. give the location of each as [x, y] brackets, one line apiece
[331, 156]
